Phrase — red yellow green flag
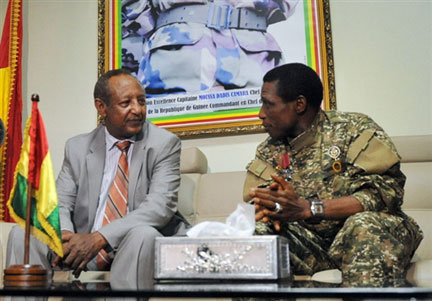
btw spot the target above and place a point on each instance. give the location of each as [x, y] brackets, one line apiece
[35, 168]
[10, 100]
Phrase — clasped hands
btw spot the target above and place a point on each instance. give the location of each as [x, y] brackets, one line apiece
[292, 207]
[78, 250]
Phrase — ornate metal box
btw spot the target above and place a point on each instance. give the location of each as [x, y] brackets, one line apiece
[246, 258]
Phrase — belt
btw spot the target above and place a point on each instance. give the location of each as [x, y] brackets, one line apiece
[214, 15]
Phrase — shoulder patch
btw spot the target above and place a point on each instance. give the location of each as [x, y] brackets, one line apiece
[371, 154]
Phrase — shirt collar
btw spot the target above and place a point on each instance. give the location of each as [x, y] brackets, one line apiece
[111, 141]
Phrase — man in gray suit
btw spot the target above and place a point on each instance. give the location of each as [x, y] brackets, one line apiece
[89, 168]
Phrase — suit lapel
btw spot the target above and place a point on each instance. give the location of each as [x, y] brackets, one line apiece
[95, 166]
[136, 165]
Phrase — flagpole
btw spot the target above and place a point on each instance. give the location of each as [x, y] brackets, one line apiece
[26, 275]
[34, 98]
[27, 226]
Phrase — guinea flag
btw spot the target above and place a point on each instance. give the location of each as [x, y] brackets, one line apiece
[10, 100]
[35, 168]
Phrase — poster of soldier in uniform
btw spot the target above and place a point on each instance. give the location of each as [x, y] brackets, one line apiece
[202, 61]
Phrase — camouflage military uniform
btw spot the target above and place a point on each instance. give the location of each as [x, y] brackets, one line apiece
[371, 248]
[189, 56]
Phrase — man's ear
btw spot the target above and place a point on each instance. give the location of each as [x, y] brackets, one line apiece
[301, 104]
[100, 106]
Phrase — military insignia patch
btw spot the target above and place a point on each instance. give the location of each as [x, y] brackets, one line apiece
[334, 152]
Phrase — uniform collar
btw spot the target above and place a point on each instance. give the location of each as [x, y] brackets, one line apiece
[308, 137]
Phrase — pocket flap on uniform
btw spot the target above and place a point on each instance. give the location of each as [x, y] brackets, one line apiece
[261, 169]
[256, 41]
[177, 34]
[259, 172]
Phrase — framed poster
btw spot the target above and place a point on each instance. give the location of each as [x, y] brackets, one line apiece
[202, 61]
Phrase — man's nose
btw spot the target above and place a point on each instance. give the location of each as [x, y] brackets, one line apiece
[136, 107]
[261, 113]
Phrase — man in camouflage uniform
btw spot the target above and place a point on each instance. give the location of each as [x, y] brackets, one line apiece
[339, 189]
[197, 45]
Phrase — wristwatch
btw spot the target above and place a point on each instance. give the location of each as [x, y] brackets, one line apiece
[317, 210]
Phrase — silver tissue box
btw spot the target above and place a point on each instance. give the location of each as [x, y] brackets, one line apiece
[246, 258]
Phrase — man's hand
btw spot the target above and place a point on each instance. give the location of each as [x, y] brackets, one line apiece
[280, 191]
[79, 249]
[58, 260]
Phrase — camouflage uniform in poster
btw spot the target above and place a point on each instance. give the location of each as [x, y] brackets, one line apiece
[196, 45]
[344, 154]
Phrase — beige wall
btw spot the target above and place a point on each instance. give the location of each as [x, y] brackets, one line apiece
[382, 53]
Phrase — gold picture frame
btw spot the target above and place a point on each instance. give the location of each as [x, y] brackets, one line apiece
[323, 54]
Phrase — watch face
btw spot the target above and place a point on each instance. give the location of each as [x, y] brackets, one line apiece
[317, 208]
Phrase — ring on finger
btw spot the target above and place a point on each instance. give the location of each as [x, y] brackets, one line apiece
[278, 208]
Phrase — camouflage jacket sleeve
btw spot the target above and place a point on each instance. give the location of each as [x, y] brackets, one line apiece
[372, 168]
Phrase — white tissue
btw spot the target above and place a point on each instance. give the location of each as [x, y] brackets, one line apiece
[240, 223]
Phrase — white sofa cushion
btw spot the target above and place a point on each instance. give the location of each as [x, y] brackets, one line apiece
[218, 195]
[193, 160]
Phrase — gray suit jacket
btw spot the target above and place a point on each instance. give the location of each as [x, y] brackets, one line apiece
[154, 179]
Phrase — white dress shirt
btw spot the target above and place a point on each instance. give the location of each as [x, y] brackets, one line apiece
[112, 156]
